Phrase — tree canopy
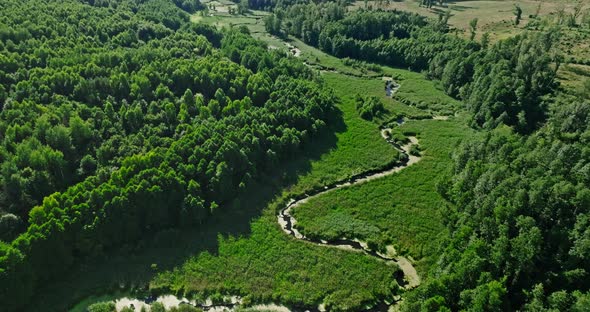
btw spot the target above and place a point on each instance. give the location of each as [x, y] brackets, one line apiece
[131, 120]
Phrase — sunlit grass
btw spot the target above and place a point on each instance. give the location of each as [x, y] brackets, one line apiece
[403, 209]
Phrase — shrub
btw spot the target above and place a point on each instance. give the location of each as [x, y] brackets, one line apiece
[369, 107]
[102, 307]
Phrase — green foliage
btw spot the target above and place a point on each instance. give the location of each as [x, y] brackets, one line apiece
[369, 107]
[184, 308]
[522, 214]
[9, 226]
[102, 307]
[155, 125]
[414, 150]
[510, 81]
[157, 307]
[517, 11]
[505, 84]
[473, 28]
[273, 25]
[393, 38]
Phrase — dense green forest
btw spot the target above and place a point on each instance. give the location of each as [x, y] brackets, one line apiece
[120, 118]
[520, 228]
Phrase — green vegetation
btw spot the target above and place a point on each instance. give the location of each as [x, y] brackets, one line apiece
[102, 307]
[358, 145]
[408, 101]
[403, 209]
[369, 107]
[154, 307]
[509, 191]
[466, 69]
[144, 151]
[270, 266]
[70, 117]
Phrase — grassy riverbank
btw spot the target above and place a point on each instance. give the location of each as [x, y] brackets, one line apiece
[403, 209]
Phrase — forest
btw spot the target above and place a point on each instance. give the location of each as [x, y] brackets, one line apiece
[124, 118]
[130, 122]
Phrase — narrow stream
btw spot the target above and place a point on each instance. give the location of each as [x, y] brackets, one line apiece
[410, 278]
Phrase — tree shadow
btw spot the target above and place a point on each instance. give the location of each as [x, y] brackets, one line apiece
[132, 267]
[451, 5]
[460, 8]
[319, 145]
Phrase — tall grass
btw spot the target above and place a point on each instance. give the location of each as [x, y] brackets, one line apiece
[403, 209]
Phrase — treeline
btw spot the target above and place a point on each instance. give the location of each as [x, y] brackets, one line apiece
[269, 5]
[502, 84]
[154, 131]
[521, 229]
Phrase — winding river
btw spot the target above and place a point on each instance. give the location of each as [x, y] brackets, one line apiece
[408, 280]
[410, 277]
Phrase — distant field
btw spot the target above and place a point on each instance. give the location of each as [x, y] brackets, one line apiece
[574, 76]
[218, 15]
[495, 16]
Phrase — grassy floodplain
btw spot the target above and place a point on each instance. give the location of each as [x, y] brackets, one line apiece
[403, 209]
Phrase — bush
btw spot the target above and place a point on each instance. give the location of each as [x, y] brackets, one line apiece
[102, 307]
[369, 107]
[399, 138]
[157, 307]
[414, 150]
